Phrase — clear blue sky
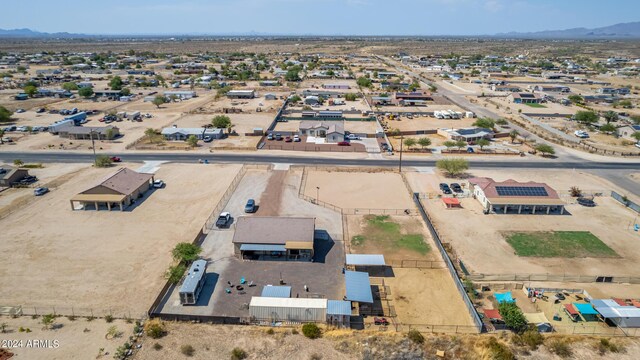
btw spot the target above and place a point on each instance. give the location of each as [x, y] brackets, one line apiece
[332, 17]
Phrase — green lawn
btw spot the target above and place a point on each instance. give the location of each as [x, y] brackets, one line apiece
[382, 233]
[567, 244]
[535, 105]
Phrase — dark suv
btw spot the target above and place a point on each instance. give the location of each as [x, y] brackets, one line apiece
[445, 188]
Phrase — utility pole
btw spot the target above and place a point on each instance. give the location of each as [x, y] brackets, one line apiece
[318, 193]
[93, 146]
[401, 143]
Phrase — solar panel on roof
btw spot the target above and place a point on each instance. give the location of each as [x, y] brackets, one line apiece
[521, 191]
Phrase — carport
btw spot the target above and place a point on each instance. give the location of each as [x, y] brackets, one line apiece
[358, 287]
[451, 202]
[109, 200]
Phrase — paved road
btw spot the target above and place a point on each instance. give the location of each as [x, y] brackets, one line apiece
[71, 157]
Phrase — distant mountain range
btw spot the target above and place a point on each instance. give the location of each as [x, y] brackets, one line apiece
[629, 30]
[618, 31]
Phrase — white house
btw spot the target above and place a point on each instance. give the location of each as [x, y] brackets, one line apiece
[333, 131]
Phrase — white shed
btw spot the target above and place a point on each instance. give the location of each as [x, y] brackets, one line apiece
[275, 309]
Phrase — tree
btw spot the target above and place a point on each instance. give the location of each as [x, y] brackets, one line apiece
[486, 123]
[103, 161]
[192, 140]
[86, 92]
[295, 99]
[409, 142]
[1, 136]
[159, 100]
[48, 320]
[125, 92]
[545, 149]
[221, 121]
[453, 167]
[512, 316]
[351, 97]
[116, 83]
[460, 144]
[636, 135]
[513, 135]
[18, 162]
[30, 90]
[151, 134]
[174, 273]
[69, 86]
[364, 82]
[5, 114]
[292, 75]
[576, 99]
[482, 143]
[185, 252]
[587, 117]
[449, 144]
[611, 116]
[608, 128]
[424, 142]
[155, 328]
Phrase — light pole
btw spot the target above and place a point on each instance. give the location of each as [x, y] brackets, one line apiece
[318, 193]
[93, 146]
[401, 143]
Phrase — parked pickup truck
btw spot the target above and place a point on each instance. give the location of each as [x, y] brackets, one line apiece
[223, 220]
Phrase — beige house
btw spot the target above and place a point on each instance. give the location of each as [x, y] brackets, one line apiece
[120, 189]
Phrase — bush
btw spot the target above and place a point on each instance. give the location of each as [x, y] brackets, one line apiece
[186, 252]
[513, 316]
[238, 354]
[157, 347]
[174, 273]
[453, 167]
[294, 331]
[108, 318]
[187, 350]
[531, 338]
[103, 161]
[605, 346]
[315, 356]
[560, 348]
[415, 336]
[155, 328]
[499, 351]
[270, 332]
[312, 331]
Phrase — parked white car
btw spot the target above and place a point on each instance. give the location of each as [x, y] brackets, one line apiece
[581, 134]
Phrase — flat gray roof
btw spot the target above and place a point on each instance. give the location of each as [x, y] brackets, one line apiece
[365, 259]
[196, 273]
[338, 307]
[273, 230]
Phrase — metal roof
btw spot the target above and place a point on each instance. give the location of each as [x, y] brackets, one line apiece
[197, 271]
[276, 291]
[273, 230]
[306, 303]
[358, 286]
[365, 259]
[338, 307]
[262, 247]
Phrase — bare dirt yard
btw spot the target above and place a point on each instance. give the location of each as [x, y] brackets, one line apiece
[358, 190]
[427, 296]
[77, 339]
[105, 261]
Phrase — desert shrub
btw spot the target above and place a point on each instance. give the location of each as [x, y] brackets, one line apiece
[560, 348]
[108, 318]
[157, 347]
[605, 345]
[315, 356]
[270, 332]
[575, 191]
[531, 338]
[155, 328]
[312, 331]
[415, 336]
[294, 331]
[187, 350]
[238, 354]
[498, 350]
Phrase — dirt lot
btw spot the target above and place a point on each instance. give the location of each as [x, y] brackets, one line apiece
[419, 297]
[428, 123]
[98, 259]
[79, 339]
[351, 190]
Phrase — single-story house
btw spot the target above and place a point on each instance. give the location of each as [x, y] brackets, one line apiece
[513, 197]
[336, 86]
[525, 98]
[89, 132]
[241, 94]
[107, 93]
[505, 88]
[330, 114]
[119, 189]
[627, 131]
[182, 134]
[333, 131]
[269, 83]
[274, 238]
[412, 96]
[11, 175]
[552, 88]
[324, 93]
[180, 94]
[469, 134]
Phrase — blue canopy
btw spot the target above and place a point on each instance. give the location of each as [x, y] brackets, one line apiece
[585, 309]
[504, 297]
